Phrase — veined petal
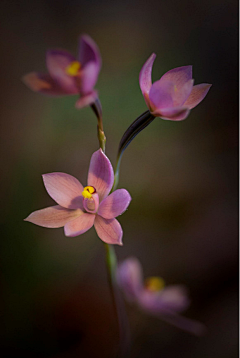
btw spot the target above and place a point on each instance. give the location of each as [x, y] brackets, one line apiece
[53, 217]
[130, 278]
[57, 63]
[86, 100]
[161, 95]
[179, 76]
[172, 114]
[43, 83]
[197, 95]
[64, 189]
[114, 204]
[109, 230]
[180, 95]
[79, 225]
[100, 174]
[88, 51]
[145, 77]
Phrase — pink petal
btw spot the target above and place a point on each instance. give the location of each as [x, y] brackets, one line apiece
[80, 225]
[89, 76]
[186, 324]
[64, 189]
[90, 59]
[109, 230]
[53, 217]
[172, 114]
[57, 62]
[145, 77]
[161, 95]
[180, 95]
[43, 83]
[197, 95]
[175, 298]
[88, 51]
[130, 278]
[86, 100]
[114, 204]
[170, 299]
[100, 174]
[179, 76]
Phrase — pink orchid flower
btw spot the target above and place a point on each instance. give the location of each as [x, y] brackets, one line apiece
[154, 298]
[80, 208]
[173, 96]
[68, 75]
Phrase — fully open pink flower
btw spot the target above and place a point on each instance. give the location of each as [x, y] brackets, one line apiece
[80, 208]
[173, 96]
[152, 297]
[68, 75]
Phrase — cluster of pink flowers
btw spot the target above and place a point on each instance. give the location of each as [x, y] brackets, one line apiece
[97, 204]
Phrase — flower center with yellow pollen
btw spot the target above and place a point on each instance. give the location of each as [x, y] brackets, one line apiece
[88, 191]
[154, 284]
[73, 69]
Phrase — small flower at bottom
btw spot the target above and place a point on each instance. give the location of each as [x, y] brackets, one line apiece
[173, 96]
[68, 75]
[154, 298]
[79, 208]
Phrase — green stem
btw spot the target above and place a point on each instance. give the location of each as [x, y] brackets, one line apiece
[97, 109]
[124, 333]
[111, 259]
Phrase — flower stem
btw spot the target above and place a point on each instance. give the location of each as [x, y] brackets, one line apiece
[97, 109]
[111, 259]
[124, 332]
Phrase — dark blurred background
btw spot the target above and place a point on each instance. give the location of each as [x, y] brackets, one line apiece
[183, 177]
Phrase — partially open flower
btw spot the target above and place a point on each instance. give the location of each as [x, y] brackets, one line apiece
[154, 298]
[68, 75]
[79, 208]
[174, 95]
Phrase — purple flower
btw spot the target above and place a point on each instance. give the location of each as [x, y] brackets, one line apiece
[153, 297]
[173, 96]
[80, 208]
[68, 75]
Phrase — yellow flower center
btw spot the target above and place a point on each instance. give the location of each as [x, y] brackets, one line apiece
[175, 88]
[73, 68]
[154, 284]
[88, 191]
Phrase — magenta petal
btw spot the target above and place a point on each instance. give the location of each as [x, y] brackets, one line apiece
[172, 114]
[161, 95]
[64, 189]
[145, 77]
[197, 95]
[129, 277]
[180, 95]
[86, 100]
[179, 76]
[100, 174]
[88, 51]
[57, 63]
[43, 83]
[109, 230]
[114, 204]
[79, 225]
[53, 217]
